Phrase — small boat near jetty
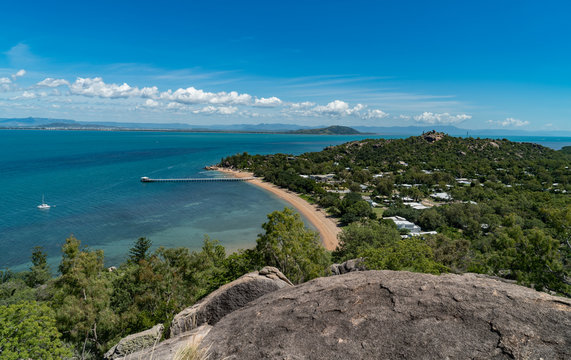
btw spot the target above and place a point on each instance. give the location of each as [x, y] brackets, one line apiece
[43, 205]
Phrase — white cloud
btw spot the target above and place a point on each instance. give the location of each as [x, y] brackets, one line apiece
[191, 100]
[20, 73]
[176, 106]
[509, 122]
[53, 83]
[26, 95]
[268, 102]
[337, 108]
[375, 114]
[95, 87]
[227, 110]
[192, 95]
[7, 83]
[151, 103]
[223, 110]
[443, 118]
[301, 105]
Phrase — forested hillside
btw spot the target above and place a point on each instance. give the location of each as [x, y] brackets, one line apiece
[498, 207]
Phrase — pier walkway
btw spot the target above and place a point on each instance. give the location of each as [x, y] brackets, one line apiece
[146, 179]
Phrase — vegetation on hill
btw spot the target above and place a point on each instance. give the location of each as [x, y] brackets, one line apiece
[28, 331]
[330, 130]
[87, 308]
[506, 209]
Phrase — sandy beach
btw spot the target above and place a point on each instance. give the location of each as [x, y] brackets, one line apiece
[327, 226]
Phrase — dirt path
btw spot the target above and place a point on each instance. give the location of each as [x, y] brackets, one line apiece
[327, 226]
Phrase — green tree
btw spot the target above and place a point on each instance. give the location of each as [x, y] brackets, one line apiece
[156, 288]
[288, 245]
[82, 297]
[28, 331]
[451, 252]
[431, 219]
[360, 236]
[40, 271]
[385, 186]
[139, 251]
[410, 254]
[16, 291]
[357, 211]
[538, 262]
[239, 263]
[560, 221]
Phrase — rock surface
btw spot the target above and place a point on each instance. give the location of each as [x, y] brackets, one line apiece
[135, 342]
[397, 315]
[168, 348]
[228, 298]
[348, 266]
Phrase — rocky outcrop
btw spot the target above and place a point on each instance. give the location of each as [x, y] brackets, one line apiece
[348, 266]
[228, 298]
[168, 348]
[135, 342]
[397, 315]
[433, 136]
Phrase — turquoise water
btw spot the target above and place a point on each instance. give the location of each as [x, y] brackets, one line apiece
[92, 179]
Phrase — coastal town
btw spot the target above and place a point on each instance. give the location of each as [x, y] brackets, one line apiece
[417, 187]
[460, 196]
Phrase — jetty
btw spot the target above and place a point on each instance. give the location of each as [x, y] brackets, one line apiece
[149, 180]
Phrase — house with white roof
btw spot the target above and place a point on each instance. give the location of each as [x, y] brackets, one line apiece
[441, 196]
[416, 205]
[403, 223]
[322, 178]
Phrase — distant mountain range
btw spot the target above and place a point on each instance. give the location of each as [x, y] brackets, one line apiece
[32, 122]
[43, 123]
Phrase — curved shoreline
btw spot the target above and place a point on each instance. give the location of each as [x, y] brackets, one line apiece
[327, 227]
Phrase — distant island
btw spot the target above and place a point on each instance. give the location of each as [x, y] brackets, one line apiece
[330, 130]
[36, 123]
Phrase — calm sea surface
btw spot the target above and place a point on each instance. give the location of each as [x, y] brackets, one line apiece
[91, 179]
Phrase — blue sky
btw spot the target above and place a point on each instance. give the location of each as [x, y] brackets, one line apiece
[473, 64]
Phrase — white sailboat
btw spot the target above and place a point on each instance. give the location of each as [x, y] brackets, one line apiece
[43, 205]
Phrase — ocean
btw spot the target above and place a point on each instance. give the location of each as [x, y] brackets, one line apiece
[92, 181]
